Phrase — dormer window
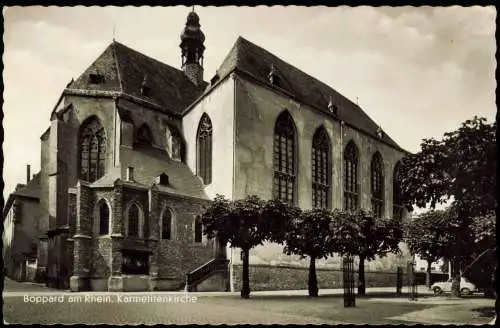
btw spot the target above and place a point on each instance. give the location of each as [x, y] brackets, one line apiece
[380, 133]
[145, 91]
[215, 79]
[145, 88]
[332, 107]
[162, 179]
[96, 78]
[273, 77]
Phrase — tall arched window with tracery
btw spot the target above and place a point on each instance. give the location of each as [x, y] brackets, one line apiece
[397, 199]
[92, 150]
[377, 184]
[204, 149]
[351, 188]
[284, 159]
[321, 169]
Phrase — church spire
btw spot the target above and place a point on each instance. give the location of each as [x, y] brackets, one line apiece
[192, 48]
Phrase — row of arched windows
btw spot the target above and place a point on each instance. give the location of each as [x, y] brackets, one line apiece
[285, 167]
[285, 173]
[134, 222]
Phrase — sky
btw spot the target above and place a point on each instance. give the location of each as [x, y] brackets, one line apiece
[418, 72]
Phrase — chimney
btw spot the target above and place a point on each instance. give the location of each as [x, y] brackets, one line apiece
[130, 173]
[28, 173]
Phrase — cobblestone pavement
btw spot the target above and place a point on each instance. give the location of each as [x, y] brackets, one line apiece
[28, 303]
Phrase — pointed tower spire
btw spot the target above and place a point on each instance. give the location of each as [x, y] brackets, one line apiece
[192, 48]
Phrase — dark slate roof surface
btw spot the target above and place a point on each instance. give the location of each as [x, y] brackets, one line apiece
[125, 70]
[150, 163]
[256, 61]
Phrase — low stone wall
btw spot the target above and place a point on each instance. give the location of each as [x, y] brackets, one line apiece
[135, 283]
[275, 277]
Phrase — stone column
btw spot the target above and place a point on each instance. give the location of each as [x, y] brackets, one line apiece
[153, 238]
[153, 264]
[115, 281]
[82, 240]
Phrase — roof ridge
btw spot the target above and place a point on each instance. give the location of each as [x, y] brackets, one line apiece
[115, 58]
[148, 57]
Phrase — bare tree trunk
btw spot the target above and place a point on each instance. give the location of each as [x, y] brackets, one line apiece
[313, 282]
[361, 276]
[428, 282]
[245, 290]
[455, 283]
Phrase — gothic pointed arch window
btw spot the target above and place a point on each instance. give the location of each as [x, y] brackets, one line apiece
[377, 184]
[92, 150]
[351, 189]
[144, 136]
[397, 199]
[198, 230]
[284, 159]
[166, 224]
[321, 169]
[101, 217]
[204, 149]
[133, 221]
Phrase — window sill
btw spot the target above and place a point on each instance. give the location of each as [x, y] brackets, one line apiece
[103, 236]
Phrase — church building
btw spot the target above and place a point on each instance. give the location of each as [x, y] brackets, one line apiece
[136, 149]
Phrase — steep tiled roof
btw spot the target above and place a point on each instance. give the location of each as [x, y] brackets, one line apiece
[125, 70]
[251, 59]
[150, 163]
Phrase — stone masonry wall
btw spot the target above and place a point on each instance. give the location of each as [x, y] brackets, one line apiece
[180, 254]
[267, 277]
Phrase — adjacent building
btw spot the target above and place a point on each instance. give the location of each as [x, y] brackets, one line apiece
[20, 230]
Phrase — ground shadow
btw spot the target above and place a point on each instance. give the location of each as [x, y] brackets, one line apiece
[329, 296]
[485, 311]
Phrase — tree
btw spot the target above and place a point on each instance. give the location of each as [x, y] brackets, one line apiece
[461, 166]
[239, 223]
[428, 235]
[310, 234]
[277, 217]
[367, 237]
[482, 266]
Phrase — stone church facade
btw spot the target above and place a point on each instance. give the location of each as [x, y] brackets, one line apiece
[136, 149]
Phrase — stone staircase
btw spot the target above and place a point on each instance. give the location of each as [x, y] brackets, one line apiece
[215, 269]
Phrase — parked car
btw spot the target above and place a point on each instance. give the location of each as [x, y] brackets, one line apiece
[466, 287]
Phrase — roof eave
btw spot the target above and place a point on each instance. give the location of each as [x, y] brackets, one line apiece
[314, 107]
[122, 95]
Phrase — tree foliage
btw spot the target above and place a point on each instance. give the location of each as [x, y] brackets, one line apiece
[430, 235]
[367, 236]
[277, 217]
[461, 165]
[310, 234]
